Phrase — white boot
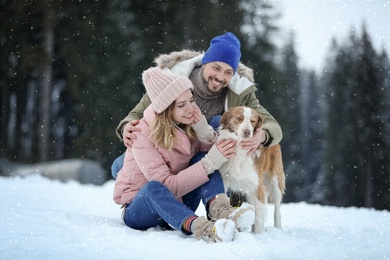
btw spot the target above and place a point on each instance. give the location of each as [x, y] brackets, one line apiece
[221, 230]
[243, 216]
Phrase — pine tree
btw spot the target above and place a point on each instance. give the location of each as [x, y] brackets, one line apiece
[355, 142]
[337, 78]
[260, 27]
[21, 66]
[289, 101]
[312, 141]
[381, 180]
[369, 109]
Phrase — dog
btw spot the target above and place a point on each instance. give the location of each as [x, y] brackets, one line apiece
[260, 177]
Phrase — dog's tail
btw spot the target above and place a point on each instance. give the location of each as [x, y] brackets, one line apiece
[276, 165]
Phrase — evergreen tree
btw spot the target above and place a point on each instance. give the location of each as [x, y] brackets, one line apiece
[289, 97]
[354, 146]
[259, 25]
[21, 66]
[312, 141]
[337, 79]
[369, 109]
[381, 180]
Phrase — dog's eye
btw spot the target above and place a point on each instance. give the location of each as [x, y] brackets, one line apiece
[239, 119]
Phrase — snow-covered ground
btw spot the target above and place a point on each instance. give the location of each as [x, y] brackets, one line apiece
[47, 219]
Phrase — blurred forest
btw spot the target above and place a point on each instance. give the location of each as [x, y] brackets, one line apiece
[71, 70]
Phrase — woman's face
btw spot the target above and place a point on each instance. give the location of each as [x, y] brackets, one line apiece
[217, 75]
[184, 108]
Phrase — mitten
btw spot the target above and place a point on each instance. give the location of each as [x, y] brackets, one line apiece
[213, 160]
[204, 132]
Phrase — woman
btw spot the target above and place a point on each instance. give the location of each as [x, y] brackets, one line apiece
[156, 186]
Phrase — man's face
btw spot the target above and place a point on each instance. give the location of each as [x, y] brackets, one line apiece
[217, 75]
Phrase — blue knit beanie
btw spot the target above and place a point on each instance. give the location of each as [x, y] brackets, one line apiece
[224, 48]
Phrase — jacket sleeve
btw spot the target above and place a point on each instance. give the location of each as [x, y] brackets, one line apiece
[134, 114]
[154, 168]
[270, 124]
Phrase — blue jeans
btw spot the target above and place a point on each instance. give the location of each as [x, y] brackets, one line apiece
[154, 205]
[118, 162]
[117, 165]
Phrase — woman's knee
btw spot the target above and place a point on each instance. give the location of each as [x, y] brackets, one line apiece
[155, 189]
[154, 184]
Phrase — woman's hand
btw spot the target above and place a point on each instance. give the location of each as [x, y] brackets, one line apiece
[197, 114]
[227, 147]
[219, 153]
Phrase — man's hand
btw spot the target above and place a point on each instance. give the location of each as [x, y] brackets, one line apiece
[128, 135]
[253, 143]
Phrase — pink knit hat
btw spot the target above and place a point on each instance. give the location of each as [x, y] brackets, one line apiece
[163, 87]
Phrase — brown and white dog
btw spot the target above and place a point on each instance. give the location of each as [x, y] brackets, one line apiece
[260, 177]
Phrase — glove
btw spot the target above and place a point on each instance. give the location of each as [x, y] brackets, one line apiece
[213, 160]
[204, 132]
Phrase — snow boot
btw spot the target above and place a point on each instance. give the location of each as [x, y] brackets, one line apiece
[243, 216]
[221, 230]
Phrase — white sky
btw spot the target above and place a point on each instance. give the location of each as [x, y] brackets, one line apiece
[316, 22]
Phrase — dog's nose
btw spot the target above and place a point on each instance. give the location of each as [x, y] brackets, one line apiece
[246, 133]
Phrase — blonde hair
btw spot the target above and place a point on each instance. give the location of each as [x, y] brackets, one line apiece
[163, 130]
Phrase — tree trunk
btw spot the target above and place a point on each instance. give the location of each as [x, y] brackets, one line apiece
[46, 85]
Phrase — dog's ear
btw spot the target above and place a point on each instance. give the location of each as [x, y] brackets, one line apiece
[225, 118]
[260, 121]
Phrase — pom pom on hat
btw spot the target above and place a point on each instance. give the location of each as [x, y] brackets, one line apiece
[163, 87]
[224, 48]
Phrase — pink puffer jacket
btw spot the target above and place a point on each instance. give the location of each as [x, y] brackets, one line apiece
[144, 162]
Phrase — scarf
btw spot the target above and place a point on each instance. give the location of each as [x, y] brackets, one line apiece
[210, 104]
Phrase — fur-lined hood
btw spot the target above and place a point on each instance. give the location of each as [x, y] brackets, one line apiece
[183, 62]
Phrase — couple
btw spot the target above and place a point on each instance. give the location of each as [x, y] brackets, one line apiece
[156, 185]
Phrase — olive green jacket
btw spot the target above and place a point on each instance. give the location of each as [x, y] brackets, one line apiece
[241, 91]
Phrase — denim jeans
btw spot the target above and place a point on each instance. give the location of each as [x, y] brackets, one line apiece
[117, 165]
[155, 205]
[215, 122]
[118, 162]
